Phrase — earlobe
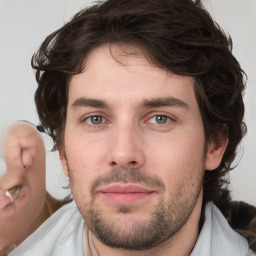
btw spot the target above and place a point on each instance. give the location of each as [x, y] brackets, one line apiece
[215, 153]
[63, 161]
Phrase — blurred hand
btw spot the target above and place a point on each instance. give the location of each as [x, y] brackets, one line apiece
[22, 186]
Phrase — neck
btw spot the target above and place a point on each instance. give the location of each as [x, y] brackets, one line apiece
[183, 241]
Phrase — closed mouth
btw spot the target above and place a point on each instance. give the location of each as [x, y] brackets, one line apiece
[124, 189]
[125, 194]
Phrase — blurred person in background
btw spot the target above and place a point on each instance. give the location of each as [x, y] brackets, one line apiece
[24, 202]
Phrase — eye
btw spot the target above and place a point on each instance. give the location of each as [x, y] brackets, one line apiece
[159, 119]
[95, 120]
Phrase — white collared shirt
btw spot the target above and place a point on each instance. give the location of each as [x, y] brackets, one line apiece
[63, 234]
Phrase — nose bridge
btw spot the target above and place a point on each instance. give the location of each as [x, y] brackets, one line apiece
[126, 151]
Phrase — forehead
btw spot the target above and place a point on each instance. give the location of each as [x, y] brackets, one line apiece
[125, 74]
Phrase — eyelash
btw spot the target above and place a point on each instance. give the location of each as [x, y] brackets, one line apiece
[105, 120]
[168, 118]
[93, 116]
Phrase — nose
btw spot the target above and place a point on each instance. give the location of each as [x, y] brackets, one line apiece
[126, 149]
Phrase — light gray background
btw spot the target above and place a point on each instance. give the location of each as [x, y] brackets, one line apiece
[25, 23]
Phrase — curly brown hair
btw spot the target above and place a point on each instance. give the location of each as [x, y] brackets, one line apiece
[177, 35]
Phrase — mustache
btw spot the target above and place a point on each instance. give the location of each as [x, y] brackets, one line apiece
[133, 175]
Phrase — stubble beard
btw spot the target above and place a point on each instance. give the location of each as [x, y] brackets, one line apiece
[165, 221]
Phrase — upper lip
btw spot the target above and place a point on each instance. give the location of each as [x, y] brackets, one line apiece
[124, 189]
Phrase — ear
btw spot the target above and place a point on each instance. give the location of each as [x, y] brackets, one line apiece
[215, 153]
[63, 160]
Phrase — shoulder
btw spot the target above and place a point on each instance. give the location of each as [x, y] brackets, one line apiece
[218, 238]
[61, 234]
[241, 216]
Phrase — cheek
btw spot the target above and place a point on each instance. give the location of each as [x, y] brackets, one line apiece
[82, 169]
[86, 156]
[82, 166]
[174, 158]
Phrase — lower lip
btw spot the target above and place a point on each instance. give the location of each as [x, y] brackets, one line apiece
[125, 198]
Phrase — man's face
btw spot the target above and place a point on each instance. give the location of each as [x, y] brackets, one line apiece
[134, 149]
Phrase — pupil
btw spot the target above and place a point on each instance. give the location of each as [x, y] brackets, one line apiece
[96, 120]
[161, 119]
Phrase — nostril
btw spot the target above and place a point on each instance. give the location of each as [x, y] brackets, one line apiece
[113, 164]
[131, 163]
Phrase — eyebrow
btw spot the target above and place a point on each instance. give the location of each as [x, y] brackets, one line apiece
[164, 102]
[86, 102]
[147, 103]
